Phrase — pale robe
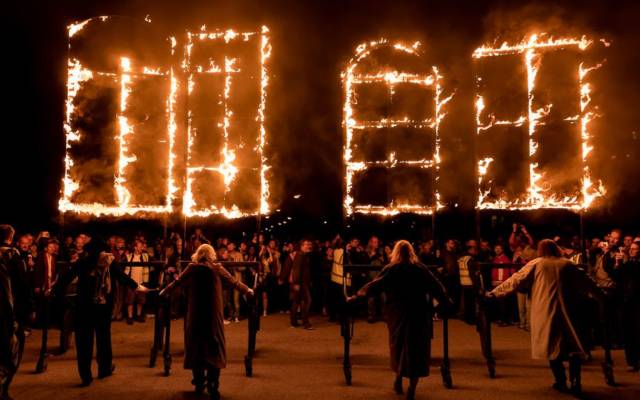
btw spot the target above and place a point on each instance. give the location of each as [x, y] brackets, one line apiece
[557, 285]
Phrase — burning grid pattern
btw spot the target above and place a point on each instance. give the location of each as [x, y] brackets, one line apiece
[390, 78]
[537, 195]
[76, 76]
[227, 168]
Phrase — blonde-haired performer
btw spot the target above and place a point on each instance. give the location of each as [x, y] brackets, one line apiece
[204, 323]
[557, 287]
[409, 287]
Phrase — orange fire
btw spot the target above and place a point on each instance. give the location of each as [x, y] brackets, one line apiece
[77, 75]
[538, 195]
[227, 168]
[390, 78]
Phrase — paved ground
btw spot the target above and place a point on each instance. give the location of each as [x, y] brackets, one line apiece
[297, 364]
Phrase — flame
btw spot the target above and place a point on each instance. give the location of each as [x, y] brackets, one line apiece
[227, 167]
[76, 76]
[390, 78]
[537, 194]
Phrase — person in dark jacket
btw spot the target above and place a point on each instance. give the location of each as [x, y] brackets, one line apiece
[9, 327]
[626, 274]
[409, 287]
[204, 339]
[19, 305]
[96, 273]
[301, 285]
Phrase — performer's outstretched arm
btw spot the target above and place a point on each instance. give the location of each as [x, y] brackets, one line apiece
[377, 285]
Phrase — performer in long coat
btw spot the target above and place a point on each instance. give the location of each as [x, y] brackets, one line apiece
[204, 323]
[557, 286]
[409, 288]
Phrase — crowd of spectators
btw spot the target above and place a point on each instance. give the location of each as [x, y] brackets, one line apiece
[298, 277]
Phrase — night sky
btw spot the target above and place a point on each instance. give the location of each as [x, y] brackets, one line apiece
[312, 43]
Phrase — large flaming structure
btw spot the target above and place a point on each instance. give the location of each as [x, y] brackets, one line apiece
[363, 71]
[539, 193]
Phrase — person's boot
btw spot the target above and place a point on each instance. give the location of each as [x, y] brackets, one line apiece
[198, 381]
[574, 376]
[213, 384]
[397, 385]
[411, 392]
[557, 368]
[107, 373]
[4, 392]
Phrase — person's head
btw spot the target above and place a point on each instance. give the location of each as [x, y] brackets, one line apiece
[79, 243]
[204, 253]
[243, 247]
[6, 233]
[595, 243]
[403, 252]
[111, 242]
[198, 232]
[634, 249]
[548, 248]
[138, 246]
[231, 247]
[628, 239]
[272, 244]
[24, 243]
[485, 245]
[450, 245]
[355, 242]
[51, 247]
[427, 246]
[374, 243]
[472, 248]
[614, 237]
[305, 246]
[498, 249]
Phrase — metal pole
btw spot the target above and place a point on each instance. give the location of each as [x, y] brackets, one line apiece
[165, 227]
[184, 232]
[583, 243]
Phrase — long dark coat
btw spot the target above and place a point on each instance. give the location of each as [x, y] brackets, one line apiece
[204, 340]
[408, 311]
